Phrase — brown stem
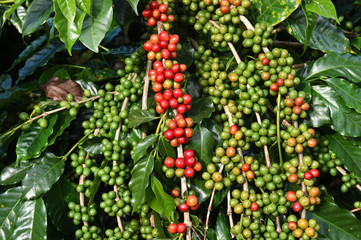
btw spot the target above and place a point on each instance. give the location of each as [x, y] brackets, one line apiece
[279, 29]
[146, 90]
[195, 232]
[210, 206]
[299, 65]
[229, 211]
[287, 44]
[355, 210]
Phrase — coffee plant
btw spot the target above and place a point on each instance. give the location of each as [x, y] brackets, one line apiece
[180, 119]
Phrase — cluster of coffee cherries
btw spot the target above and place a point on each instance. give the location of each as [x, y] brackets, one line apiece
[179, 130]
[185, 166]
[158, 12]
[161, 46]
[300, 201]
[303, 228]
[81, 213]
[296, 139]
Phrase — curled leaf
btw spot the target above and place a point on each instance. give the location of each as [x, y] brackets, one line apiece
[57, 89]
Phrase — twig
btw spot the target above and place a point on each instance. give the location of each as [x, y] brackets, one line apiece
[279, 29]
[195, 232]
[229, 211]
[299, 65]
[355, 210]
[287, 44]
[210, 206]
[146, 89]
[81, 182]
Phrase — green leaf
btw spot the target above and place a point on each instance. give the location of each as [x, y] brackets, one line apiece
[67, 8]
[203, 193]
[61, 124]
[32, 142]
[161, 202]
[69, 31]
[12, 175]
[142, 147]
[319, 114]
[57, 199]
[124, 15]
[93, 145]
[349, 92]
[42, 175]
[133, 4]
[140, 179]
[139, 116]
[310, 26]
[96, 24]
[31, 223]
[165, 149]
[83, 5]
[335, 65]
[62, 74]
[214, 128]
[348, 153]
[335, 222]
[356, 42]
[94, 188]
[40, 58]
[274, 12]
[324, 8]
[325, 35]
[222, 227]
[29, 50]
[9, 210]
[202, 143]
[38, 12]
[10, 11]
[201, 108]
[344, 120]
[186, 55]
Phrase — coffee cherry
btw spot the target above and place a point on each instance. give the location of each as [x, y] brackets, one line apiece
[308, 175]
[184, 207]
[189, 172]
[169, 162]
[297, 207]
[315, 173]
[192, 200]
[172, 228]
[181, 228]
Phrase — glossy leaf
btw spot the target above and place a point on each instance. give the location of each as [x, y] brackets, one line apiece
[333, 64]
[310, 26]
[325, 35]
[10, 11]
[324, 8]
[201, 108]
[202, 143]
[348, 153]
[96, 24]
[12, 175]
[140, 179]
[123, 14]
[274, 12]
[335, 222]
[57, 199]
[29, 50]
[165, 149]
[40, 58]
[38, 12]
[161, 202]
[214, 128]
[139, 116]
[142, 147]
[356, 42]
[69, 31]
[42, 175]
[349, 92]
[61, 124]
[134, 4]
[5, 81]
[135, 135]
[344, 120]
[67, 8]
[319, 113]
[186, 55]
[11, 202]
[32, 142]
[222, 227]
[84, 5]
[88, 85]
[31, 223]
[93, 145]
